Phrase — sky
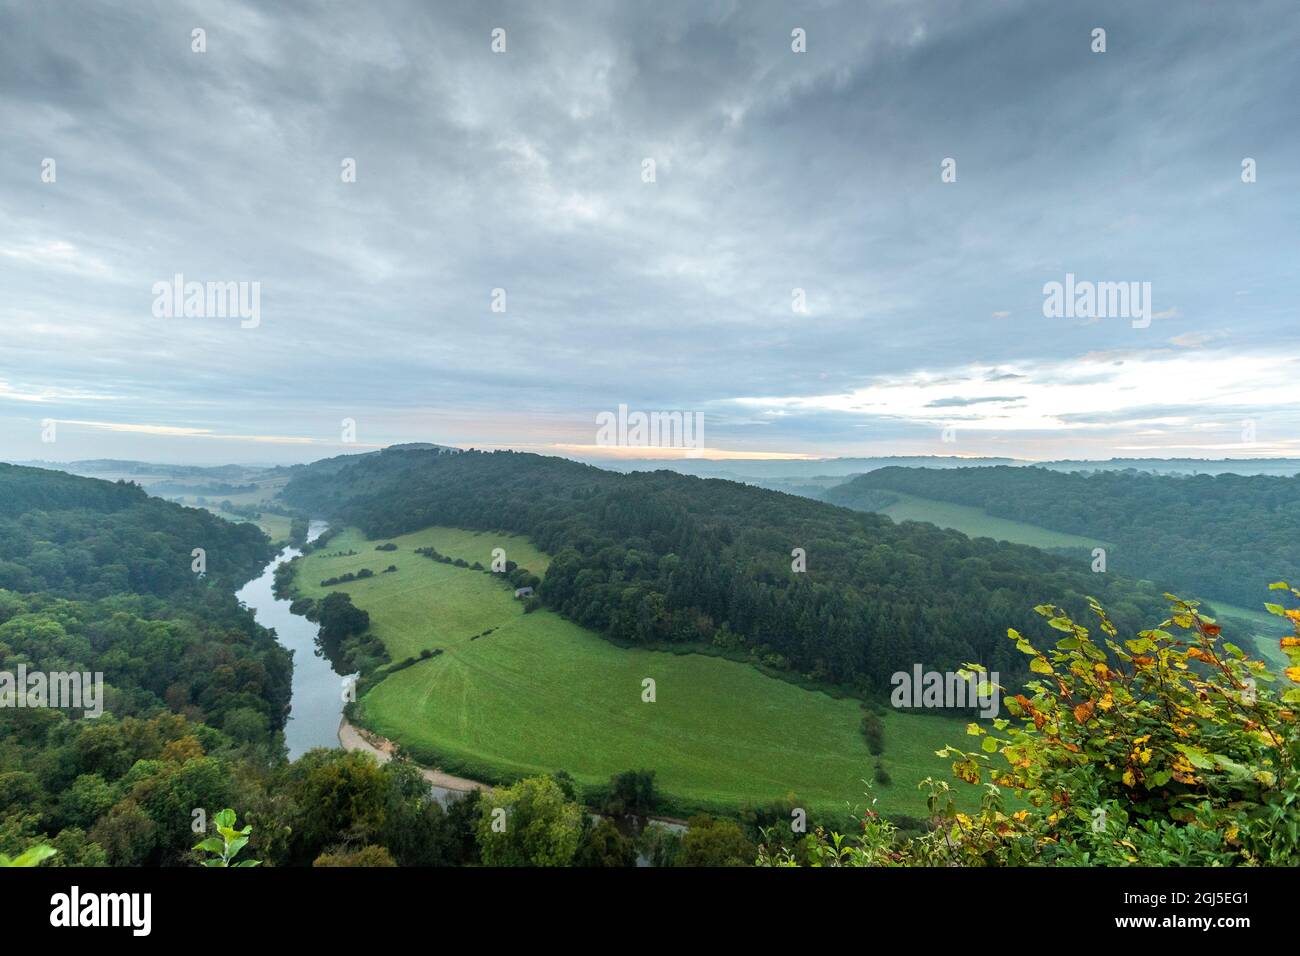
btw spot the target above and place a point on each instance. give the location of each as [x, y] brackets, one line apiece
[841, 250]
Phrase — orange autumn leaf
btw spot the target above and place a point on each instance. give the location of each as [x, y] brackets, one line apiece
[1083, 713]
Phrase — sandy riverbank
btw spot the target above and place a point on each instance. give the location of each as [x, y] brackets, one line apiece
[354, 738]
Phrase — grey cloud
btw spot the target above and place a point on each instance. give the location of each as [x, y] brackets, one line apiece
[522, 171]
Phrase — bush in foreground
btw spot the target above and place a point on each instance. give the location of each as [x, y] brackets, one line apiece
[1170, 749]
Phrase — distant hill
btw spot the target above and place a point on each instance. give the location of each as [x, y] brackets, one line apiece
[811, 478]
[787, 469]
[1228, 536]
[93, 467]
[1184, 466]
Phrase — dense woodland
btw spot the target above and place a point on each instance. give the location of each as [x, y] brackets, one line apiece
[656, 558]
[86, 538]
[1226, 536]
[98, 578]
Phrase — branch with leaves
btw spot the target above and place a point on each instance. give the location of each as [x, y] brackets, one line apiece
[227, 845]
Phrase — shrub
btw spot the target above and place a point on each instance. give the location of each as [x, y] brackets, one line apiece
[873, 729]
[1167, 749]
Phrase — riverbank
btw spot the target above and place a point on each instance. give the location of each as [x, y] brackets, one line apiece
[382, 749]
[354, 738]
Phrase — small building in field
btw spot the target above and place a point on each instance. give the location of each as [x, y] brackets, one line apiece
[523, 592]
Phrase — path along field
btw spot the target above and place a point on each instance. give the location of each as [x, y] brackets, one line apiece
[541, 694]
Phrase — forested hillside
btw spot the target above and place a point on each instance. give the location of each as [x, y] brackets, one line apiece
[86, 538]
[98, 577]
[656, 558]
[1229, 536]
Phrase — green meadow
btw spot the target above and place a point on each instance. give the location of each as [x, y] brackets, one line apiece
[1266, 630]
[276, 526]
[540, 694]
[975, 523]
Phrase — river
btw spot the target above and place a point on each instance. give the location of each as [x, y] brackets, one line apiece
[316, 711]
[317, 702]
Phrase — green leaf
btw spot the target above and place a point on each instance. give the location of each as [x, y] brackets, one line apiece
[1039, 665]
[1198, 757]
[1093, 652]
[32, 857]
[990, 745]
[226, 818]
[211, 845]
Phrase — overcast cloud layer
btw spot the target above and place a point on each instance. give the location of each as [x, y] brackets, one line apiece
[774, 171]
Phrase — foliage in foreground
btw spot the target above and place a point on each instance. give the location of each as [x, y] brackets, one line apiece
[226, 847]
[32, 857]
[1172, 748]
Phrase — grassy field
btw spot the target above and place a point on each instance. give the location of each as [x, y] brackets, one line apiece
[275, 526]
[540, 694]
[1266, 629]
[424, 603]
[973, 522]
